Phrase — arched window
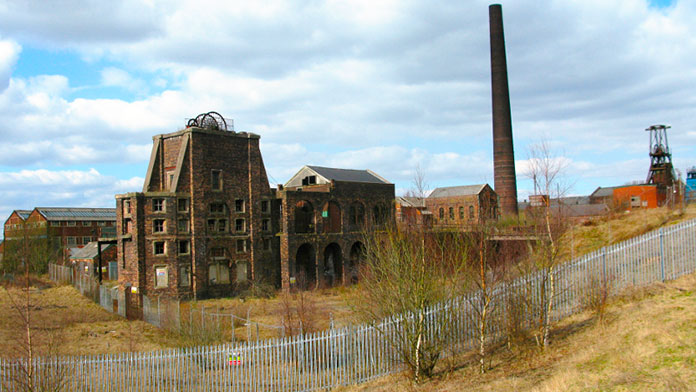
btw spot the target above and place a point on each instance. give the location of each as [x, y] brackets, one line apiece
[451, 213]
[442, 213]
[380, 214]
[461, 213]
[304, 217]
[356, 214]
[471, 212]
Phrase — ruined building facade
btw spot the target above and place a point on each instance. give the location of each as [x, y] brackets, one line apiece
[207, 222]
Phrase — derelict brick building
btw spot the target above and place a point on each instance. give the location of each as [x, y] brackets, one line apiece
[325, 213]
[207, 221]
[202, 224]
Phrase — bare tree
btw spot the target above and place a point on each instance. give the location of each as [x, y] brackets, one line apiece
[31, 374]
[402, 279]
[549, 223]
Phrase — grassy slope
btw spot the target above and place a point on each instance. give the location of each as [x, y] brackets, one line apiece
[72, 324]
[619, 227]
[646, 343]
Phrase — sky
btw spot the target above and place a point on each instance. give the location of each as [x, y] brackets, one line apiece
[390, 86]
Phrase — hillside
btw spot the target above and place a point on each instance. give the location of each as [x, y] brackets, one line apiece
[646, 343]
[619, 226]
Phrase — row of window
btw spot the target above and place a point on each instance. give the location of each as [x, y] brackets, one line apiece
[72, 241]
[58, 224]
[462, 214]
[214, 225]
[159, 248]
[218, 273]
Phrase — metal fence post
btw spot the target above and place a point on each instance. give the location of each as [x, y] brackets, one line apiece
[662, 253]
[604, 263]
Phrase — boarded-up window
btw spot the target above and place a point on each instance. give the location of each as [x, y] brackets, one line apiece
[241, 271]
[161, 277]
[184, 275]
[331, 218]
[218, 273]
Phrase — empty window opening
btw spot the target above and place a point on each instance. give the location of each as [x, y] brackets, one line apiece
[239, 225]
[184, 247]
[183, 205]
[216, 180]
[309, 180]
[158, 226]
[158, 248]
[157, 205]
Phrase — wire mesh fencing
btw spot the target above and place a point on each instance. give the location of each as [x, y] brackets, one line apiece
[354, 354]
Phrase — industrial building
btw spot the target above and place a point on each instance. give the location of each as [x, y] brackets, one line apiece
[207, 222]
[58, 228]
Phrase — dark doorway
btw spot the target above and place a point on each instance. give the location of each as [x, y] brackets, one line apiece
[305, 267]
[333, 264]
[355, 260]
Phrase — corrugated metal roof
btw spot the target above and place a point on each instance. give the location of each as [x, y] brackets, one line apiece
[24, 214]
[88, 251]
[462, 190]
[348, 175]
[60, 213]
[410, 201]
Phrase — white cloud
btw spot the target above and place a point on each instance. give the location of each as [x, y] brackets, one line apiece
[9, 52]
[384, 86]
[116, 77]
[26, 189]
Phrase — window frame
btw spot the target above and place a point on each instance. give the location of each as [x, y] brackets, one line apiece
[158, 205]
[155, 246]
[159, 229]
[188, 247]
[185, 203]
[158, 284]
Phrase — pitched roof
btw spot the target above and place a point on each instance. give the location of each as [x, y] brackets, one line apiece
[24, 214]
[604, 191]
[409, 201]
[63, 213]
[88, 251]
[324, 175]
[348, 175]
[462, 190]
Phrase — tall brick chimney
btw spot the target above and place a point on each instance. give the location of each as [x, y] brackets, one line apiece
[503, 153]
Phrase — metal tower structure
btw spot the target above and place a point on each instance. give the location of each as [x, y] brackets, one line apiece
[661, 170]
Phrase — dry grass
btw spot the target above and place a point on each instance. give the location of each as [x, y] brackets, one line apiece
[327, 304]
[617, 227]
[647, 343]
[72, 324]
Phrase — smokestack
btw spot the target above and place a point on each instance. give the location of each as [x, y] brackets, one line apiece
[503, 153]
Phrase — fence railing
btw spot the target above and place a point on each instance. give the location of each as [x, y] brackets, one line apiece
[350, 355]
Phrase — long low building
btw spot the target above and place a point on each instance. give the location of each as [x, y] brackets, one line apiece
[58, 228]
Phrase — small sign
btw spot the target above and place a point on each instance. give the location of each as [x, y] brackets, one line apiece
[134, 290]
[234, 359]
[292, 280]
[325, 214]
